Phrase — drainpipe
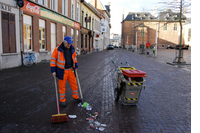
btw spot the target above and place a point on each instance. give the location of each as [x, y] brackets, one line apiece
[20, 29]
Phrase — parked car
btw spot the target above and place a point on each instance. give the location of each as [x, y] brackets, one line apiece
[110, 46]
[116, 46]
[170, 47]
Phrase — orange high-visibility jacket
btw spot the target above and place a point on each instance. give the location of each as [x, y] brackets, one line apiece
[57, 62]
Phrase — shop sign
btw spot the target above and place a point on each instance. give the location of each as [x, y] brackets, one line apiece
[77, 25]
[84, 31]
[53, 16]
[32, 8]
[5, 7]
[103, 26]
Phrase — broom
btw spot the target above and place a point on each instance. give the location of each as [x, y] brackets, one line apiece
[57, 118]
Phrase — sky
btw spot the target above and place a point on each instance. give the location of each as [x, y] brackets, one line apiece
[117, 7]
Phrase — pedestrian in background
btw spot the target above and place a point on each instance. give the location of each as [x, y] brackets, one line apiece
[63, 63]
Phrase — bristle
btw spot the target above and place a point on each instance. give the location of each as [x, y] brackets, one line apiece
[58, 119]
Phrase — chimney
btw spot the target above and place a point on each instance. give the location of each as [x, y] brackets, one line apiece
[123, 15]
[155, 11]
[96, 4]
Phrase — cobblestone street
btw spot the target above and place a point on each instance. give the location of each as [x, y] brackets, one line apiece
[28, 96]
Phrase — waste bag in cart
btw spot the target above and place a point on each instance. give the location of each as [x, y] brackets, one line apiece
[130, 83]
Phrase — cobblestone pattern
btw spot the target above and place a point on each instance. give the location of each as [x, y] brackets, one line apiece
[28, 99]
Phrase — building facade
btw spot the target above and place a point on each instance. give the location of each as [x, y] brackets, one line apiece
[41, 25]
[115, 39]
[142, 28]
[9, 35]
[44, 23]
[105, 23]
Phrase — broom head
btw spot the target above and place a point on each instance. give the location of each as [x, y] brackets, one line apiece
[59, 118]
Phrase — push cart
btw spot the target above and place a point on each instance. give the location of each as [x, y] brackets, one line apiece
[129, 83]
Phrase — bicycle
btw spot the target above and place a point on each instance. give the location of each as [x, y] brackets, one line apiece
[29, 59]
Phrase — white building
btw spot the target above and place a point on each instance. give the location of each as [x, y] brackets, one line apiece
[115, 39]
[10, 53]
[105, 23]
[187, 32]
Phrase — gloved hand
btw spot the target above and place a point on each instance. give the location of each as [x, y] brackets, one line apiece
[54, 74]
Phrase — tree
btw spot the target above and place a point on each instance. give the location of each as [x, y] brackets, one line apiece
[178, 6]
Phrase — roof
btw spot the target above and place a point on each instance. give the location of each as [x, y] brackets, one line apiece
[139, 16]
[168, 15]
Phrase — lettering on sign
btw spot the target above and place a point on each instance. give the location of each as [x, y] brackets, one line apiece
[32, 8]
[77, 25]
[132, 93]
[5, 7]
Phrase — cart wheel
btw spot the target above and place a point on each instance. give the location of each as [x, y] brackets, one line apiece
[116, 95]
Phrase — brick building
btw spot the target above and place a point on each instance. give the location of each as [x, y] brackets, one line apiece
[40, 25]
[142, 27]
[44, 23]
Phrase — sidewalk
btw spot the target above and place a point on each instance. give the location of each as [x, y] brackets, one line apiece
[28, 97]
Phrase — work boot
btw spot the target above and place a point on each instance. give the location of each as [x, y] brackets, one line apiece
[78, 100]
[63, 104]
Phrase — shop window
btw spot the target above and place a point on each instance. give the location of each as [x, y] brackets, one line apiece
[72, 34]
[53, 36]
[42, 39]
[8, 32]
[77, 33]
[64, 31]
[27, 27]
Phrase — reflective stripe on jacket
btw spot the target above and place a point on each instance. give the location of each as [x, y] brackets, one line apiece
[57, 62]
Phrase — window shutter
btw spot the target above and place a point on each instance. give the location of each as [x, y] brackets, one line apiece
[8, 33]
[5, 30]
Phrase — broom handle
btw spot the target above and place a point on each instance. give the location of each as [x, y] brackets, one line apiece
[56, 95]
[79, 84]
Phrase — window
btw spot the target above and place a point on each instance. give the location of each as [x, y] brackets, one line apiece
[189, 34]
[86, 22]
[64, 31]
[72, 10]
[175, 27]
[72, 34]
[53, 5]
[42, 34]
[8, 30]
[92, 24]
[165, 26]
[65, 7]
[82, 18]
[77, 32]
[53, 36]
[27, 27]
[78, 12]
[41, 2]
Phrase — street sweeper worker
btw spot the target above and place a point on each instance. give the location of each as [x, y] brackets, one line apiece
[63, 63]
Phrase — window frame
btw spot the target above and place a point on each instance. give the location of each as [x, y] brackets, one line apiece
[27, 24]
[40, 35]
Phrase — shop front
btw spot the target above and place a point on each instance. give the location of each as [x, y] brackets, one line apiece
[44, 29]
[87, 37]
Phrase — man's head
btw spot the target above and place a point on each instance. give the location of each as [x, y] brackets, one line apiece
[67, 41]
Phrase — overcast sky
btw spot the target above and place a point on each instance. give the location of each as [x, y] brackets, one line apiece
[117, 7]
